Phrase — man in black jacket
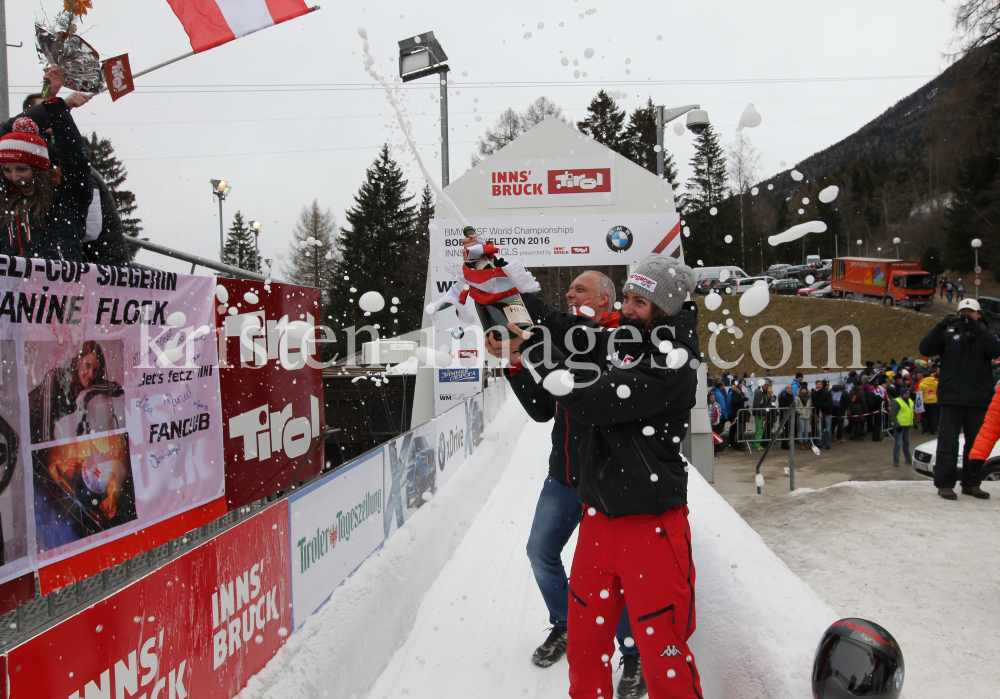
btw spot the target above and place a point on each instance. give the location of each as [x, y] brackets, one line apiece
[786, 400]
[559, 506]
[966, 347]
[822, 400]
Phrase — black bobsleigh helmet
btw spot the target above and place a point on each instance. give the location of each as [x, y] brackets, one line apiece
[857, 658]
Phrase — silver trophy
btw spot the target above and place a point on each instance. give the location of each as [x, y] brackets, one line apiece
[79, 61]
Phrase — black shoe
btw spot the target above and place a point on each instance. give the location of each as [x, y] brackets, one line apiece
[948, 493]
[631, 685]
[976, 492]
[554, 648]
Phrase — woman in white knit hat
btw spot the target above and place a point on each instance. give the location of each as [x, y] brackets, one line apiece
[634, 542]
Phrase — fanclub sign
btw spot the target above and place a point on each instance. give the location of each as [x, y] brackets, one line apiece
[118, 76]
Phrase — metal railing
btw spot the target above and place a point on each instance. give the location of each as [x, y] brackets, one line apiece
[195, 260]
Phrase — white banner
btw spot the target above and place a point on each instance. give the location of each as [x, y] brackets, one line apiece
[537, 182]
[335, 525]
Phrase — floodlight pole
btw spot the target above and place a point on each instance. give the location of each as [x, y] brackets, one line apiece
[664, 117]
[4, 88]
[445, 174]
[222, 244]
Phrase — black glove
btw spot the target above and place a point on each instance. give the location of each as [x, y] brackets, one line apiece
[975, 466]
[949, 320]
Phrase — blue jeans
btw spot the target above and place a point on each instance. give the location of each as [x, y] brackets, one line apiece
[901, 437]
[557, 515]
[825, 421]
[803, 434]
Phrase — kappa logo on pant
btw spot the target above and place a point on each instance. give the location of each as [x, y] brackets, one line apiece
[670, 652]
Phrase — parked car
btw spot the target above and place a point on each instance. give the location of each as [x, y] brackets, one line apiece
[787, 287]
[815, 286]
[825, 292]
[742, 285]
[990, 307]
[421, 473]
[923, 460]
[798, 272]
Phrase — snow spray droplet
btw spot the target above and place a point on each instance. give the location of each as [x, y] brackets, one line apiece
[713, 211]
[527, 35]
[282, 632]
[280, 255]
[587, 311]
[558, 383]
[176, 319]
[371, 301]
[564, 61]
[679, 128]
[250, 297]
[653, 477]
[728, 238]
[588, 53]
[657, 149]
[755, 191]
[222, 293]
[599, 620]
[770, 187]
[687, 232]
[648, 431]
[665, 346]
[805, 201]
[760, 480]
[796, 232]
[797, 176]
[829, 194]
[755, 299]
[723, 275]
[749, 119]
[810, 279]
[541, 25]
[591, 511]
[618, 305]
[671, 673]
[623, 391]
[783, 163]
[801, 211]
[713, 301]
[605, 594]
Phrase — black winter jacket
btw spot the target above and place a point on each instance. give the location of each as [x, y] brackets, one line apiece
[623, 470]
[966, 375]
[567, 432]
[823, 400]
[60, 237]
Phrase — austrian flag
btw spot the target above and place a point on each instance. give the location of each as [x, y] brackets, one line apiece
[211, 23]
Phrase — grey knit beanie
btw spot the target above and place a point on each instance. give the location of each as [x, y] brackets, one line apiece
[665, 281]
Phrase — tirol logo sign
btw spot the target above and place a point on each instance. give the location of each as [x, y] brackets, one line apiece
[537, 182]
[266, 433]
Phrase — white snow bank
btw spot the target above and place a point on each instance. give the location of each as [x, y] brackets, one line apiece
[923, 567]
[758, 622]
[344, 647]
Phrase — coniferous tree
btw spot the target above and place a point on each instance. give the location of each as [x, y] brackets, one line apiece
[311, 254]
[605, 121]
[707, 187]
[372, 251]
[968, 215]
[113, 172]
[511, 124]
[240, 248]
[639, 141]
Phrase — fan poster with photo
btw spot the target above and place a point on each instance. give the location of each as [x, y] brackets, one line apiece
[110, 413]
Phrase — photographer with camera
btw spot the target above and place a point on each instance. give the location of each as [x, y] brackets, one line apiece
[966, 348]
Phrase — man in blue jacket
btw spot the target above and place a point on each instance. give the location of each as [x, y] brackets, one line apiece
[559, 508]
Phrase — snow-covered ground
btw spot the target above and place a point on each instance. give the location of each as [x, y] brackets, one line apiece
[927, 569]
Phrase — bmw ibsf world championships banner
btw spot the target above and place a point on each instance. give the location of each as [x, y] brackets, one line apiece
[110, 412]
[534, 241]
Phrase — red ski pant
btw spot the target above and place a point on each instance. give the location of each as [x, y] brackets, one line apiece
[644, 560]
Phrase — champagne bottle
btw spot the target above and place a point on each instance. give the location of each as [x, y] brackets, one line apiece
[504, 311]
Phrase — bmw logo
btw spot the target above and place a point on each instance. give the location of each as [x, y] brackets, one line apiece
[442, 453]
[897, 680]
[619, 239]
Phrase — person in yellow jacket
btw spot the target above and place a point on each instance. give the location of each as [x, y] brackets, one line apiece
[929, 385]
[901, 414]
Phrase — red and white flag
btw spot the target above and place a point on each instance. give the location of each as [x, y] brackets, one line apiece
[210, 23]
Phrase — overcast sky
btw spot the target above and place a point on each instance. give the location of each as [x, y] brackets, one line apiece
[288, 115]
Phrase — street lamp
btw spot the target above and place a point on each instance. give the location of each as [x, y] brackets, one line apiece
[256, 227]
[859, 247]
[976, 244]
[221, 190]
[896, 242]
[697, 122]
[420, 56]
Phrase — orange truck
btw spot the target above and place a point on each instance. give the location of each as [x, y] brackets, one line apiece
[890, 282]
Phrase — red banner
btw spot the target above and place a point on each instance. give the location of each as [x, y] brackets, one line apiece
[118, 75]
[272, 393]
[201, 625]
